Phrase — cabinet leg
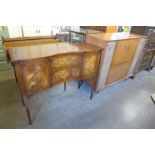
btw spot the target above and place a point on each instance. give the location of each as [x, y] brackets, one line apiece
[15, 73]
[132, 77]
[80, 83]
[98, 91]
[23, 101]
[65, 86]
[92, 93]
[27, 109]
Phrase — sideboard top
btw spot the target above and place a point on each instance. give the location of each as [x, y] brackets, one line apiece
[115, 36]
[44, 50]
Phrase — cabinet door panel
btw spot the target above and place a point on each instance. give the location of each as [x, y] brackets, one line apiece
[125, 51]
[118, 72]
[90, 63]
[36, 74]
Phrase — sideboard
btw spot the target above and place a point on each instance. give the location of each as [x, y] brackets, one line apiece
[39, 67]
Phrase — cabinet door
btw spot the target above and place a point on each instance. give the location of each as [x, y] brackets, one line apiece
[35, 74]
[90, 64]
[122, 59]
[125, 51]
[118, 72]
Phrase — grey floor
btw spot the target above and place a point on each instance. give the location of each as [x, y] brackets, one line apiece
[123, 105]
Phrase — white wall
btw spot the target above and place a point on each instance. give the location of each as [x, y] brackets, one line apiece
[14, 31]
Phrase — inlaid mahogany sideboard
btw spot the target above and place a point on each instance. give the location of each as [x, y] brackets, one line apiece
[40, 67]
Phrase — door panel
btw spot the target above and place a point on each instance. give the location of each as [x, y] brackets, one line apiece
[118, 72]
[125, 51]
[122, 59]
[36, 74]
[90, 63]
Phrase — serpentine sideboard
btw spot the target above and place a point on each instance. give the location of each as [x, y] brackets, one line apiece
[42, 66]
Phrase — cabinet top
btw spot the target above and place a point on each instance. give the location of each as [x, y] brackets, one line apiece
[115, 36]
[45, 50]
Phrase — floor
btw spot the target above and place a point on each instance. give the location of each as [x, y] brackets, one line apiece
[126, 104]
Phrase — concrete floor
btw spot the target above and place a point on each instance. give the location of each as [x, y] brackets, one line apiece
[123, 105]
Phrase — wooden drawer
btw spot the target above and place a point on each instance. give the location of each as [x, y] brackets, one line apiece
[65, 75]
[117, 73]
[65, 60]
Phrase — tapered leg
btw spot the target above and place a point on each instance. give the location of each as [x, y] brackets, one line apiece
[27, 109]
[15, 74]
[22, 100]
[132, 77]
[80, 83]
[98, 91]
[92, 93]
[65, 86]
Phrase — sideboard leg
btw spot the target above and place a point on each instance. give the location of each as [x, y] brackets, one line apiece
[65, 86]
[23, 101]
[27, 109]
[132, 77]
[92, 93]
[15, 73]
[98, 91]
[80, 83]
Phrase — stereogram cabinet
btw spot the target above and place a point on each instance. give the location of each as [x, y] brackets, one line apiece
[39, 67]
[121, 56]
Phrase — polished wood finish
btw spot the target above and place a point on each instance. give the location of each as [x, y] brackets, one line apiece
[44, 50]
[56, 64]
[104, 37]
[26, 41]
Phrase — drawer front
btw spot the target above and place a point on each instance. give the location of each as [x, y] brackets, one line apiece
[65, 60]
[90, 64]
[125, 51]
[117, 73]
[65, 75]
[36, 74]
